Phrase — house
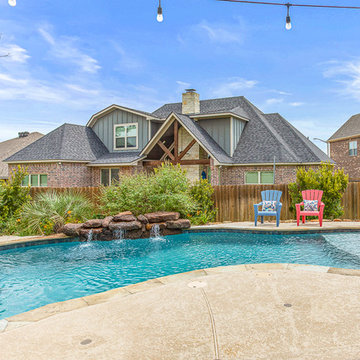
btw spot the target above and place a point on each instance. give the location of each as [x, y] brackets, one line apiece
[228, 140]
[343, 147]
[12, 146]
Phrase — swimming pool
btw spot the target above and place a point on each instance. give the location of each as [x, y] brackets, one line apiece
[34, 276]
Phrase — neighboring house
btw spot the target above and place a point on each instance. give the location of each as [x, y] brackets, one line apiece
[12, 146]
[343, 147]
[227, 140]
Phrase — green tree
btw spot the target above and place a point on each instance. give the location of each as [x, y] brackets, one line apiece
[332, 182]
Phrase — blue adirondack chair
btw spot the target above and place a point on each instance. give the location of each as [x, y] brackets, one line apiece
[269, 195]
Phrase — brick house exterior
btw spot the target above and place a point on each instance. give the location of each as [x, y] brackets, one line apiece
[343, 147]
[228, 140]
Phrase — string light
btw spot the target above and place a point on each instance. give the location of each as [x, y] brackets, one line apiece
[288, 20]
[12, 2]
[160, 17]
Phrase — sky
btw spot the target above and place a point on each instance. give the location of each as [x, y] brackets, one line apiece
[70, 59]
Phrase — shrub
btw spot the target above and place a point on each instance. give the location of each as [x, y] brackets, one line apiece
[332, 182]
[202, 193]
[12, 196]
[167, 189]
[51, 210]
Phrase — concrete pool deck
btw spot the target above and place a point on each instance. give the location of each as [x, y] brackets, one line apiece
[260, 311]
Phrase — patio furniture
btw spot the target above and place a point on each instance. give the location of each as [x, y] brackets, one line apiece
[313, 206]
[271, 206]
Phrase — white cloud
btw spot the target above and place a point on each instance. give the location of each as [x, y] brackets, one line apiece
[233, 86]
[64, 48]
[296, 103]
[347, 74]
[273, 101]
[15, 53]
[127, 61]
[221, 33]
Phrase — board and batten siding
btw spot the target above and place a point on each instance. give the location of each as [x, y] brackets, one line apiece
[104, 128]
[237, 129]
[219, 130]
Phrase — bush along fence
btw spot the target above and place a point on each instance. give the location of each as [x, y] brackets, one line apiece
[235, 202]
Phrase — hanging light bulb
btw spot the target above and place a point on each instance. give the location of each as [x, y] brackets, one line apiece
[12, 2]
[288, 20]
[160, 16]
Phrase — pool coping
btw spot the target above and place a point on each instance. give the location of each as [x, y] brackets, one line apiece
[38, 314]
[62, 238]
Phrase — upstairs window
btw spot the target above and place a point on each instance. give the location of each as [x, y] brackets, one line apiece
[35, 180]
[353, 148]
[259, 177]
[109, 176]
[126, 136]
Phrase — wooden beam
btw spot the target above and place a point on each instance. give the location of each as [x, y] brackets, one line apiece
[176, 140]
[166, 150]
[182, 162]
[183, 153]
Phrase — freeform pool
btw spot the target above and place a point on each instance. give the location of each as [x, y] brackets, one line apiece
[31, 277]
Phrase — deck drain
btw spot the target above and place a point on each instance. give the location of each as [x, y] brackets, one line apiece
[197, 284]
[86, 342]
[287, 305]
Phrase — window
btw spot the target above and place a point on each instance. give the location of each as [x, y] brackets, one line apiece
[259, 177]
[126, 137]
[109, 176]
[353, 148]
[35, 180]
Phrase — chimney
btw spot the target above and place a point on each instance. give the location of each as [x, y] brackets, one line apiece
[23, 134]
[190, 102]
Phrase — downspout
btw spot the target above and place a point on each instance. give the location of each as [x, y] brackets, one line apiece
[274, 170]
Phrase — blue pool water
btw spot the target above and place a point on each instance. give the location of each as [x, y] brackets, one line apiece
[35, 276]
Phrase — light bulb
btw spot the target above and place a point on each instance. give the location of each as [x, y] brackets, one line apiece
[12, 2]
[160, 17]
[288, 23]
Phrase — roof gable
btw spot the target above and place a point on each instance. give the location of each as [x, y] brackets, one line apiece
[350, 128]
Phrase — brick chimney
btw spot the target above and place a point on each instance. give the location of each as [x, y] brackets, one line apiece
[190, 102]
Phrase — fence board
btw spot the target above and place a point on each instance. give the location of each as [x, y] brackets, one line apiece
[235, 202]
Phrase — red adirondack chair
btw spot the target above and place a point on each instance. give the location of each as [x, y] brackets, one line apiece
[310, 195]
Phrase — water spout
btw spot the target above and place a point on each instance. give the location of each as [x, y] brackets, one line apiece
[119, 234]
[90, 235]
[155, 233]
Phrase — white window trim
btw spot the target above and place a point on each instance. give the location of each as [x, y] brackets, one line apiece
[353, 148]
[137, 137]
[259, 177]
[38, 175]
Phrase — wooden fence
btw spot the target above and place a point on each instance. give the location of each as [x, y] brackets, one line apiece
[235, 202]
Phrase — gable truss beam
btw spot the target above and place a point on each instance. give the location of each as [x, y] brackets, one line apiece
[166, 150]
[185, 151]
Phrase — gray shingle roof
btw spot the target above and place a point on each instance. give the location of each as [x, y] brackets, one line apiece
[117, 158]
[350, 128]
[67, 142]
[211, 106]
[10, 147]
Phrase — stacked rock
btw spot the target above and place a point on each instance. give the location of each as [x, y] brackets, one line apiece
[127, 225]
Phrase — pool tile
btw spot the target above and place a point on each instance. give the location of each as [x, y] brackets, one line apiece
[182, 276]
[106, 296]
[143, 286]
[266, 266]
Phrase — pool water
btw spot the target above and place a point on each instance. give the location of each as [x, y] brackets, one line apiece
[34, 276]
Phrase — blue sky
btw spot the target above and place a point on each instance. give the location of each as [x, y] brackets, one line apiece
[70, 59]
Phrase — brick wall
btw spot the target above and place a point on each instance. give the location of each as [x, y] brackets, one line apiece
[339, 152]
[235, 175]
[61, 175]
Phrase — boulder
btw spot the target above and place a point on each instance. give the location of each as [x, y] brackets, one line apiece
[132, 225]
[143, 219]
[162, 216]
[178, 224]
[71, 229]
[107, 221]
[126, 216]
[93, 223]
